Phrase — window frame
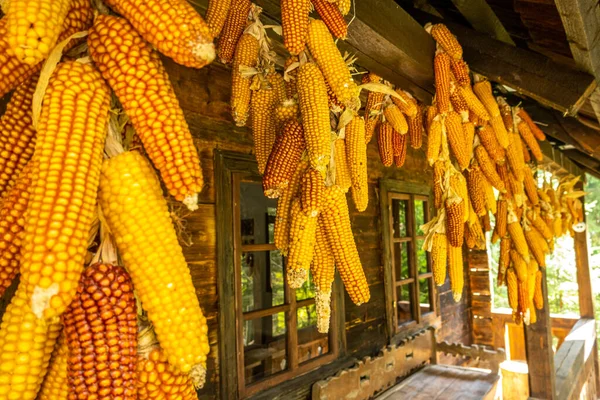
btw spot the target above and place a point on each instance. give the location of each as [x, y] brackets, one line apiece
[230, 169]
[391, 190]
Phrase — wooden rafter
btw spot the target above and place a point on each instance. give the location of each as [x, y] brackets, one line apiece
[483, 19]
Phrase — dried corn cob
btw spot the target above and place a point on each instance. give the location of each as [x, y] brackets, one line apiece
[165, 290]
[526, 155]
[514, 155]
[473, 103]
[538, 296]
[356, 157]
[475, 231]
[159, 121]
[105, 298]
[519, 264]
[439, 169]
[337, 229]
[530, 187]
[488, 139]
[399, 147]
[342, 172]
[311, 192]
[446, 40]
[513, 290]
[504, 259]
[334, 103]
[500, 131]
[534, 242]
[312, 95]
[372, 107]
[531, 141]
[455, 224]
[506, 114]
[490, 199]
[246, 55]
[285, 111]
[13, 72]
[216, 15]
[483, 90]
[284, 158]
[302, 243]
[456, 271]
[485, 222]
[456, 139]
[458, 103]
[538, 222]
[235, 23]
[17, 135]
[504, 174]
[458, 183]
[501, 217]
[488, 168]
[517, 236]
[294, 20]
[439, 251]
[384, 140]
[476, 189]
[187, 40]
[396, 119]
[332, 16]
[430, 115]
[276, 82]
[441, 66]
[406, 103]
[290, 76]
[434, 140]
[460, 69]
[55, 386]
[331, 63]
[284, 205]
[322, 270]
[262, 107]
[535, 130]
[415, 129]
[12, 223]
[523, 300]
[344, 6]
[50, 272]
[469, 132]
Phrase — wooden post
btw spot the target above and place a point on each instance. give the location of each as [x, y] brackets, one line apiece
[540, 357]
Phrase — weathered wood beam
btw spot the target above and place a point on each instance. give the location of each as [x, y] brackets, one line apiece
[582, 261]
[483, 19]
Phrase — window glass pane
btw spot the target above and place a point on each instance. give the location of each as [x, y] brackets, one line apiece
[401, 260]
[399, 212]
[311, 343]
[403, 303]
[264, 347]
[262, 280]
[257, 214]
[307, 290]
[422, 262]
[420, 207]
[425, 295]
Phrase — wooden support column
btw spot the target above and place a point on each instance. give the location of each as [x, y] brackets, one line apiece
[582, 260]
[540, 357]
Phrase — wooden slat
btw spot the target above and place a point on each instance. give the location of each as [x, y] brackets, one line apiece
[481, 17]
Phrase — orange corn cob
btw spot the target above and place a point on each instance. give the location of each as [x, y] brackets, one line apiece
[173, 27]
[55, 386]
[531, 187]
[284, 158]
[538, 296]
[332, 16]
[406, 103]
[290, 77]
[458, 183]
[475, 230]
[474, 103]
[458, 103]
[441, 65]
[356, 157]
[216, 15]
[519, 264]
[246, 55]
[488, 168]
[430, 115]
[344, 6]
[490, 142]
[434, 140]
[531, 141]
[518, 238]
[384, 140]
[338, 231]
[456, 271]
[535, 130]
[396, 119]
[311, 192]
[399, 148]
[294, 20]
[538, 222]
[262, 107]
[504, 174]
[469, 131]
[513, 290]
[372, 107]
[322, 270]
[514, 155]
[476, 189]
[276, 82]
[439, 169]
[285, 111]
[439, 251]
[534, 242]
[158, 120]
[12, 223]
[456, 139]
[485, 222]
[312, 96]
[504, 259]
[446, 40]
[490, 199]
[500, 131]
[17, 135]
[460, 69]
[64, 182]
[235, 23]
[506, 114]
[501, 216]
[330, 61]
[302, 243]
[415, 129]
[342, 171]
[284, 205]
[104, 298]
[455, 224]
[526, 155]
[483, 90]
[334, 103]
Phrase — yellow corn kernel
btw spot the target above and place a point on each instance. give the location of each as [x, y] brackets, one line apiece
[312, 95]
[458, 183]
[301, 244]
[518, 237]
[514, 155]
[284, 205]
[384, 140]
[501, 216]
[415, 129]
[458, 103]
[322, 270]
[330, 61]
[456, 271]
[173, 27]
[473, 103]
[343, 177]
[506, 114]
[490, 199]
[488, 167]
[483, 90]
[460, 69]
[237, 19]
[538, 296]
[519, 264]
[344, 6]
[294, 20]
[475, 231]
[332, 17]
[284, 158]
[537, 245]
[439, 252]
[148, 244]
[441, 65]
[406, 103]
[55, 385]
[396, 119]
[469, 132]
[356, 157]
[490, 142]
[538, 222]
[530, 187]
[285, 111]
[513, 290]
[246, 55]
[526, 155]
[456, 139]
[430, 115]
[216, 14]
[530, 140]
[455, 224]
[276, 82]
[152, 107]
[372, 106]
[535, 130]
[65, 177]
[312, 191]
[500, 131]
[337, 229]
[17, 135]
[291, 90]
[262, 107]
[446, 40]
[476, 189]
[399, 148]
[434, 140]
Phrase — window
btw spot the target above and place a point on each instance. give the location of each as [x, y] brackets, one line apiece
[273, 327]
[410, 299]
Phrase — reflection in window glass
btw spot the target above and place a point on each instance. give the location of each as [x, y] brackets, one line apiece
[422, 264]
[420, 207]
[257, 214]
[425, 295]
[307, 290]
[264, 347]
[401, 260]
[262, 280]
[311, 343]
[404, 310]
[399, 211]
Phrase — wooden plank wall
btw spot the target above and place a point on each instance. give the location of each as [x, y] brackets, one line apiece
[481, 297]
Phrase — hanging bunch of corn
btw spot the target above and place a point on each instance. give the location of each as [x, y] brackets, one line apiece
[233, 28]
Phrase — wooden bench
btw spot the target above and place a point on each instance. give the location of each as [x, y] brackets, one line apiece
[409, 370]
